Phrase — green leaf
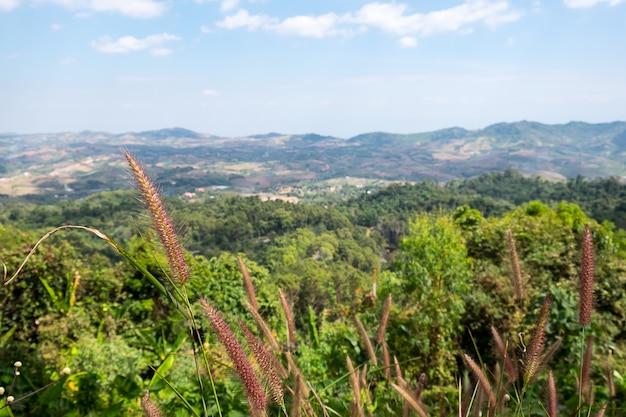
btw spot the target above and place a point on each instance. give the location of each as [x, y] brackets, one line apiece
[126, 387]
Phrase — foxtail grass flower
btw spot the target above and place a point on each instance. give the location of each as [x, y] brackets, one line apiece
[291, 328]
[535, 348]
[409, 400]
[515, 269]
[586, 279]
[382, 327]
[149, 408]
[161, 221]
[482, 379]
[247, 283]
[264, 327]
[421, 383]
[551, 405]
[252, 386]
[586, 366]
[386, 361]
[609, 375]
[356, 388]
[297, 403]
[503, 353]
[367, 342]
[264, 360]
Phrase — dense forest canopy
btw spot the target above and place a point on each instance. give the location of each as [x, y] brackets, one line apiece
[439, 251]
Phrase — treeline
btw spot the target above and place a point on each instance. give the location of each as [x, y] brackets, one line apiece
[439, 251]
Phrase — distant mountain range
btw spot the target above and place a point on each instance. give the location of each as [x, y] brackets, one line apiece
[85, 162]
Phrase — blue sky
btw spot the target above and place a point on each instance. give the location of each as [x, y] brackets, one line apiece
[333, 67]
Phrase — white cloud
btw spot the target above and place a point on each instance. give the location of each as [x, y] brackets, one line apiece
[67, 61]
[142, 9]
[243, 19]
[205, 29]
[228, 5]
[209, 92]
[131, 44]
[589, 3]
[8, 5]
[310, 26]
[391, 17]
[306, 26]
[56, 27]
[408, 42]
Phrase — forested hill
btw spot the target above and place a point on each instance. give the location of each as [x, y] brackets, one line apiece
[246, 224]
[493, 194]
[78, 164]
[437, 250]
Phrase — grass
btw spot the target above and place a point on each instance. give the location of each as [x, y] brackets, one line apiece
[271, 378]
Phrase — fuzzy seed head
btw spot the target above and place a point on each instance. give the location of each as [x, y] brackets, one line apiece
[247, 282]
[266, 364]
[503, 354]
[252, 386]
[382, 327]
[482, 378]
[18, 364]
[515, 268]
[291, 328]
[586, 368]
[161, 221]
[535, 348]
[149, 408]
[1, 390]
[10, 399]
[367, 342]
[66, 371]
[551, 394]
[586, 279]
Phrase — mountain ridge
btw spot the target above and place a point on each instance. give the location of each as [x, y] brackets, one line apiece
[92, 161]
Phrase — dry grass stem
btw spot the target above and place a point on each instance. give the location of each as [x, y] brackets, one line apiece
[161, 221]
[515, 268]
[291, 328]
[264, 327]
[319, 400]
[369, 349]
[247, 283]
[386, 362]
[409, 400]
[296, 406]
[535, 348]
[356, 389]
[252, 386]
[586, 279]
[382, 327]
[396, 367]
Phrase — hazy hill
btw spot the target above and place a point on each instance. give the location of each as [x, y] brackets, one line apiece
[84, 162]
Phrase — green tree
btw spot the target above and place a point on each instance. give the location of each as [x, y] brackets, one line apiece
[435, 272]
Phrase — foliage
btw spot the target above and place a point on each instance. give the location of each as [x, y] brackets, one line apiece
[121, 329]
